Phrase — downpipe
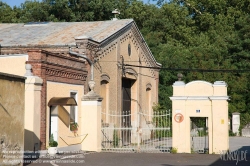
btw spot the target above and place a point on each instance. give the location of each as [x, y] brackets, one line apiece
[89, 61]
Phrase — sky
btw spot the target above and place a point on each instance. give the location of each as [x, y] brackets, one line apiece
[18, 2]
[13, 2]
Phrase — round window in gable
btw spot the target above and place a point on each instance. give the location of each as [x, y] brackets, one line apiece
[129, 49]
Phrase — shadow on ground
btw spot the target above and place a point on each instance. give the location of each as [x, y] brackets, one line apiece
[239, 157]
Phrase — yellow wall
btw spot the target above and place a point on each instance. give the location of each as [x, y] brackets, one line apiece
[211, 100]
[65, 136]
[12, 104]
[108, 64]
[13, 64]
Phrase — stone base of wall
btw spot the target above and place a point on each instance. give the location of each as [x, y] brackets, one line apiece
[10, 152]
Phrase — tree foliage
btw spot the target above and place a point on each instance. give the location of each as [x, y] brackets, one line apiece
[200, 34]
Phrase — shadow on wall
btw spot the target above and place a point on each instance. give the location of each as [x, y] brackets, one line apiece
[10, 151]
[239, 157]
[64, 115]
[31, 147]
[6, 111]
[31, 141]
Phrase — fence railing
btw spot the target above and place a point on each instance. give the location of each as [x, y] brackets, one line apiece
[137, 131]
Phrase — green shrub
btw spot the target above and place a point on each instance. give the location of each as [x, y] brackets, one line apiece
[174, 150]
[52, 142]
[73, 126]
[230, 133]
[162, 119]
[202, 133]
[192, 150]
[115, 139]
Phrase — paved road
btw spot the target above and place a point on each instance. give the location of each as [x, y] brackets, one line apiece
[239, 143]
[145, 159]
[149, 159]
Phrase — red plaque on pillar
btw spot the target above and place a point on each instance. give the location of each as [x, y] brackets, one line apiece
[178, 117]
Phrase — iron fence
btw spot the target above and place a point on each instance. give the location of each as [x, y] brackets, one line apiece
[146, 132]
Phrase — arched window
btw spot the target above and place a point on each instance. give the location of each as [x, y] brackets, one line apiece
[148, 102]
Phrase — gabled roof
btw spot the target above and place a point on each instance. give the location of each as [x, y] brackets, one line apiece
[64, 33]
[58, 33]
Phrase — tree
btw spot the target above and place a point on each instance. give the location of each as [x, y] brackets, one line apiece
[34, 11]
[6, 13]
[196, 34]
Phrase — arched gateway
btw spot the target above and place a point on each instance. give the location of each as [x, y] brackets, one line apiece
[197, 100]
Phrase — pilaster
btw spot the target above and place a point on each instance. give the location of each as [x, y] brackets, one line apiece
[33, 87]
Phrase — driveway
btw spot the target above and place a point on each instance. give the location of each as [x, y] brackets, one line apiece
[242, 144]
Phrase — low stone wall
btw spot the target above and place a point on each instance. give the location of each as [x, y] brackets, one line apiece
[245, 132]
[12, 119]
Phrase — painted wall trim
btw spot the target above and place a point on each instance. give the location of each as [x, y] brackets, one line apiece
[64, 83]
[15, 56]
[91, 103]
[199, 81]
[199, 98]
[219, 98]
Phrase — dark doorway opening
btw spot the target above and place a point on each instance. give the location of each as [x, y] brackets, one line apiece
[126, 111]
[199, 134]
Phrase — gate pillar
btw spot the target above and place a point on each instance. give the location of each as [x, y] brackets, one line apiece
[200, 99]
[236, 123]
[91, 121]
[33, 87]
